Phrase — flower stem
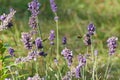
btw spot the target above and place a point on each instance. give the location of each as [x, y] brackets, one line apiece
[11, 73]
[57, 30]
[13, 37]
[108, 63]
[39, 29]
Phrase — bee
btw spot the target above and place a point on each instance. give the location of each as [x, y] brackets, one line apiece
[79, 36]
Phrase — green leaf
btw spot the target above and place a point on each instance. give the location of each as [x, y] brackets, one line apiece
[2, 50]
[6, 57]
[1, 45]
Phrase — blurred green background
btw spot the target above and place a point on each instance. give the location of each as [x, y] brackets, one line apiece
[74, 16]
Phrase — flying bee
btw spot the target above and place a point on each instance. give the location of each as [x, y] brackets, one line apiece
[79, 36]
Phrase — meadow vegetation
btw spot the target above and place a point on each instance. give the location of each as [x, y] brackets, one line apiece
[74, 18]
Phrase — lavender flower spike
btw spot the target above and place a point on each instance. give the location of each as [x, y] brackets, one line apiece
[112, 44]
[38, 43]
[87, 39]
[34, 7]
[26, 39]
[53, 6]
[52, 37]
[64, 40]
[91, 29]
[77, 72]
[82, 60]
[11, 51]
[6, 20]
[33, 22]
[68, 55]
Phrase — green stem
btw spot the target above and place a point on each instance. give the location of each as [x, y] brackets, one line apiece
[108, 63]
[96, 66]
[46, 74]
[11, 73]
[39, 29]
[59, 73]
[13, 37]
[83, 73]
[57, 29]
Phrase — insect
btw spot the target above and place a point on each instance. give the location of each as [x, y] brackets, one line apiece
[79, 36]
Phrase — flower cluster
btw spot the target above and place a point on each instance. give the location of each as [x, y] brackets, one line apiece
[6, 20]
[68, 55]
[82, 62]
[77, 72]
[64, 40]
[91, 29]
[33, 22]
[112, 44]
[38, 43]
[34, 8]
[26, 39]
[52, 37]
[11, 51]
[53, 6]
[87, 37]
[35, 77]
[31, 56]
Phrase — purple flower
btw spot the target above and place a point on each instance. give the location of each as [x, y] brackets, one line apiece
[26, 39]
[68, 55]
[52, 37]
[87, 39]
[38, 43]
[82, 60]
[11, 51]
[91, 29]
[7, 20]
[3, 17]
[34, 7]
[32, 55]
[64, 40]
[53, 6]
[77, 72]
[112, 44]
[33, 22]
